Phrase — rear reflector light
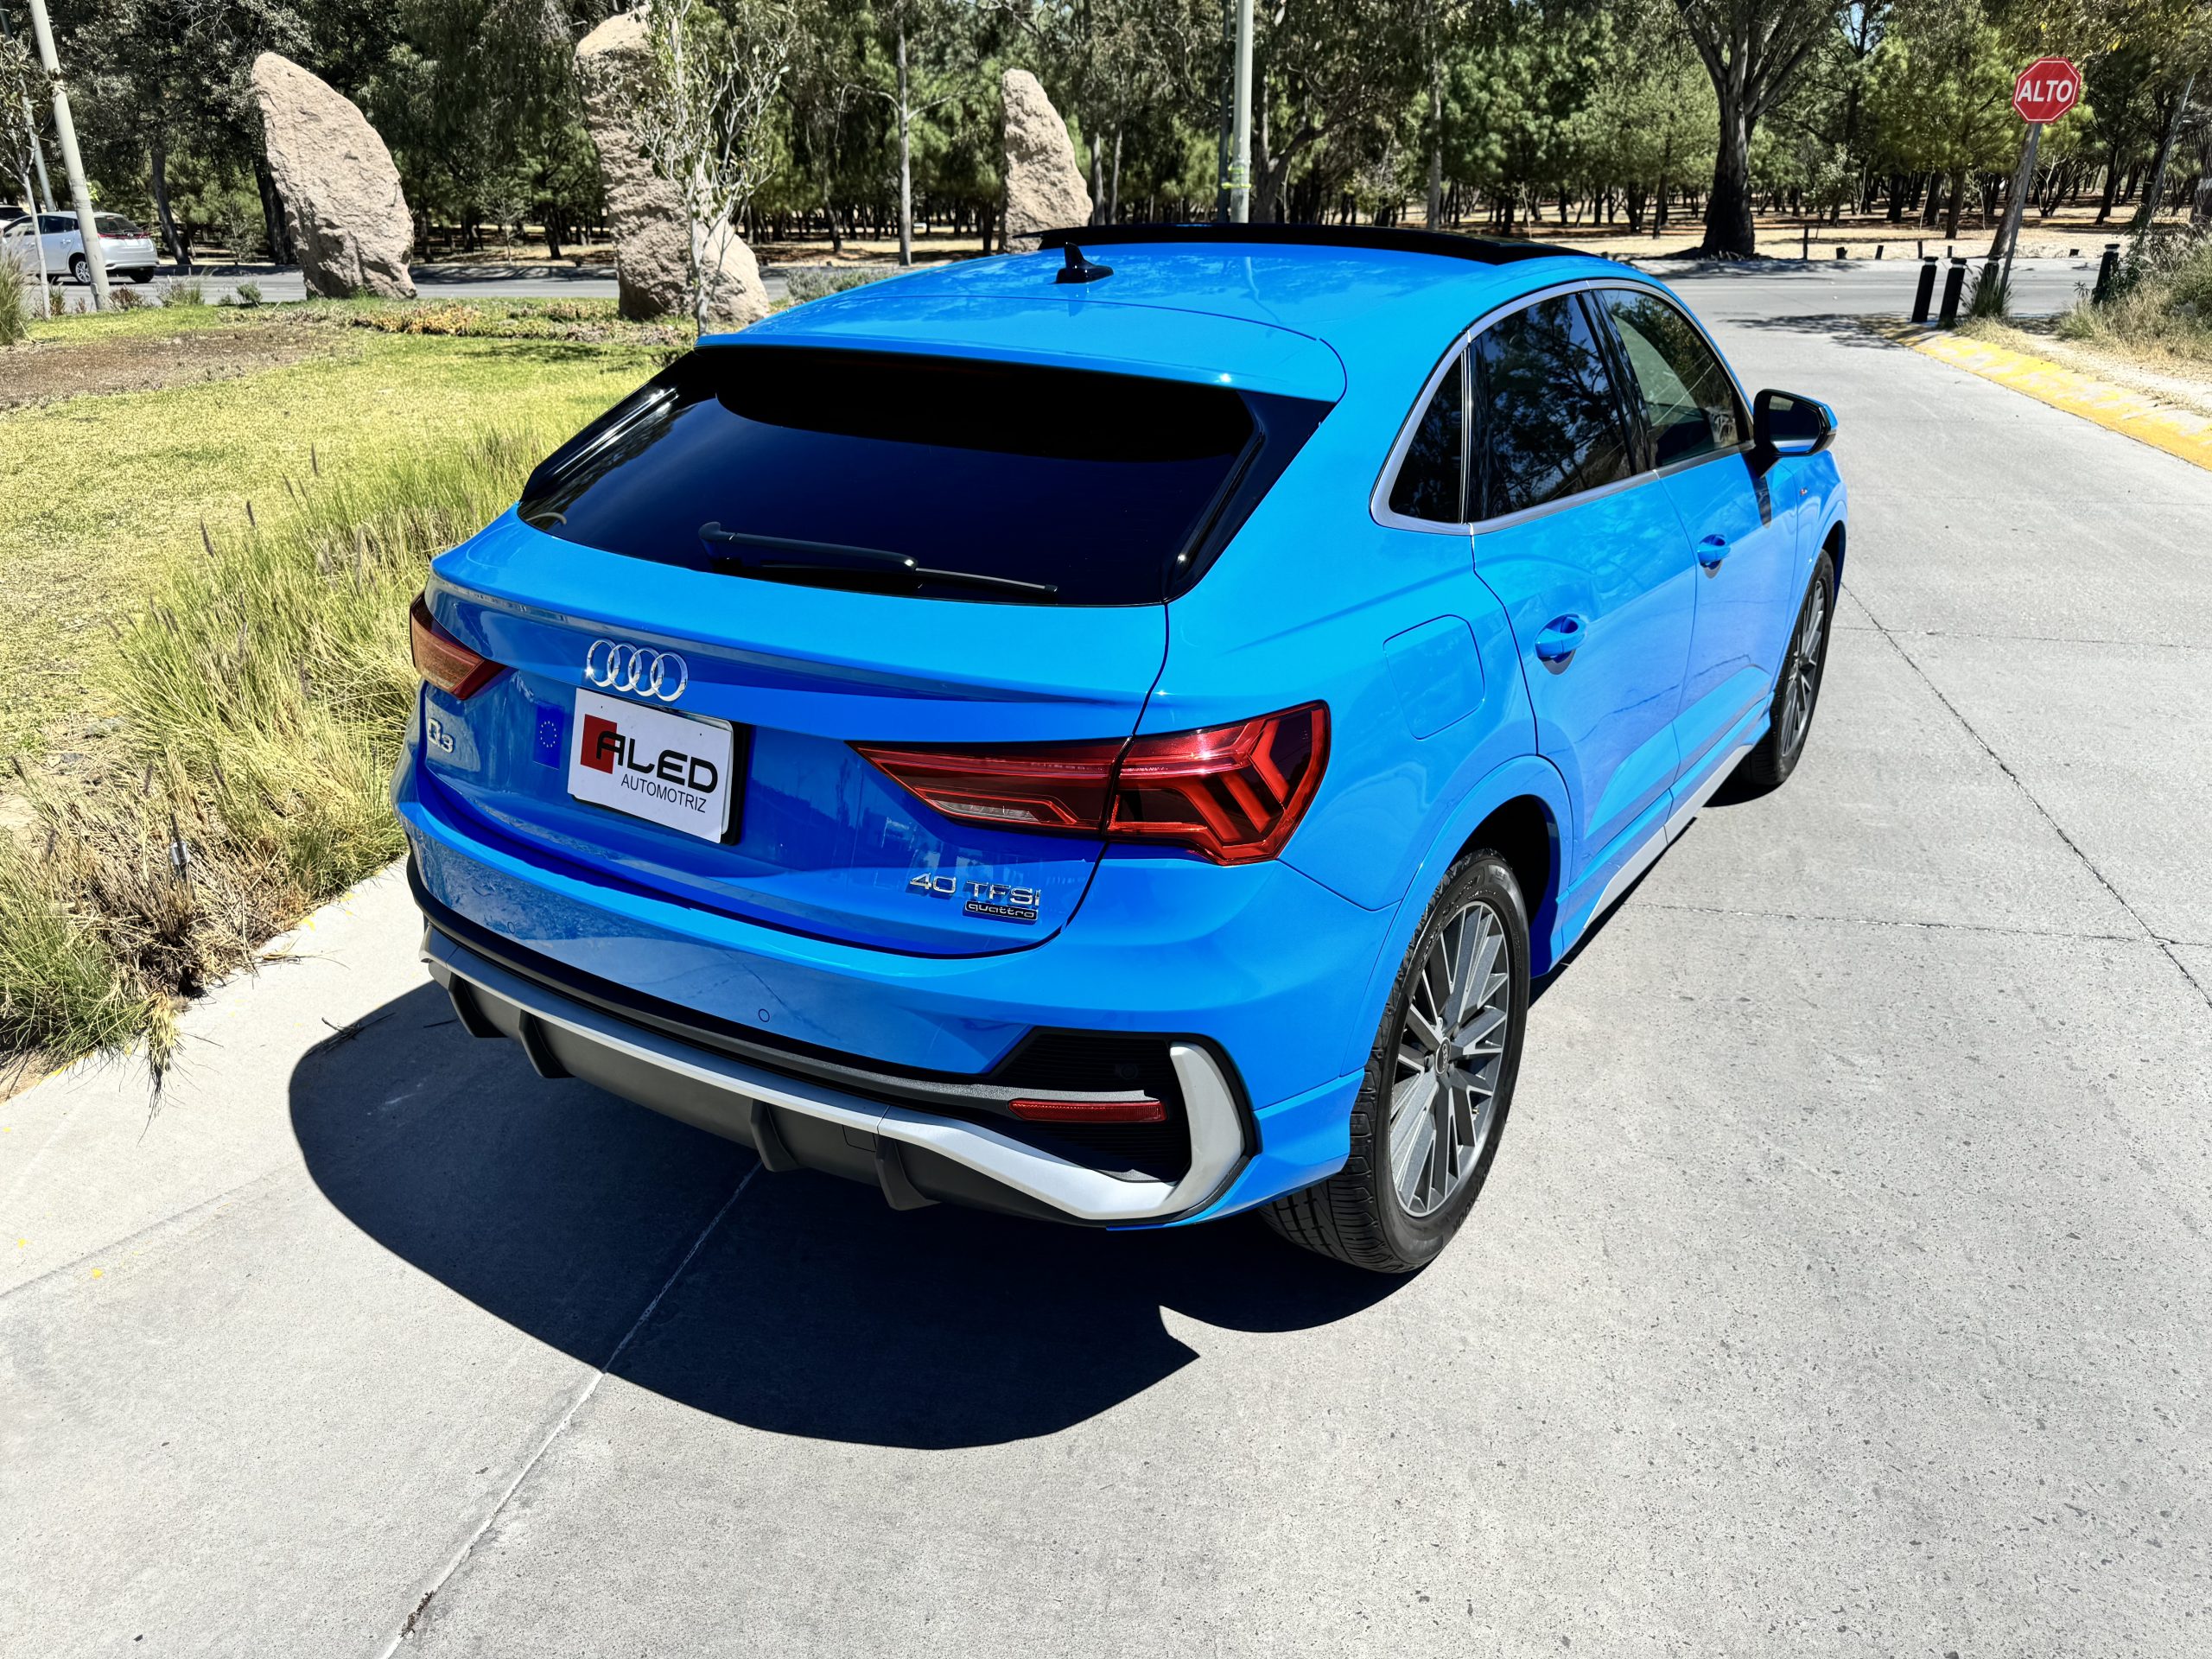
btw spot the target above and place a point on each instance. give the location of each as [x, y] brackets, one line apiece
[1090, 1111]
[1230, 793]
[443, 660]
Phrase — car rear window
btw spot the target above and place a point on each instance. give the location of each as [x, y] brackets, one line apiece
[111, 225]
[875, 470]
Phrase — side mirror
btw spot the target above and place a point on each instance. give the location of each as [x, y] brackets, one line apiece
[1784, 423]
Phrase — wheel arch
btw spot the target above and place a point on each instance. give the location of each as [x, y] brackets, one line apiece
[1520, 809]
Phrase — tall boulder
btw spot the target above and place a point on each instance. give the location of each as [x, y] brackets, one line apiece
[350, 226]
[1044, 190]
[653, 233]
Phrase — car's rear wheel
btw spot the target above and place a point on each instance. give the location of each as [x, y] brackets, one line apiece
[1440, 1081]
[1797, 689]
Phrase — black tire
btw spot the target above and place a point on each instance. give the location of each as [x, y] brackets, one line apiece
[1769, 765]
[81, 269]
[1358, 1215]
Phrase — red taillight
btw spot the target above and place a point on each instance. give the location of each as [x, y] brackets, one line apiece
[1089, 1111]
[443, 660]
[1232, 793]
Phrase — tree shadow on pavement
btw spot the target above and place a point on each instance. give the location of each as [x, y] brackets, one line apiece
[810, 1308]
[1857, 332]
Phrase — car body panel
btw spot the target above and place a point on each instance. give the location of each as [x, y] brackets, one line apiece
[826, 844]
[58, 239]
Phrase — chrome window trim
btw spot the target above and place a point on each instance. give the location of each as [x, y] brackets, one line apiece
[1378, 500]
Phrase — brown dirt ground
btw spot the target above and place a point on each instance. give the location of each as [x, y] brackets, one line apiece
[50, 370]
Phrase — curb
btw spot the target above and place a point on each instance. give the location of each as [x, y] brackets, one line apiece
[2182, 432]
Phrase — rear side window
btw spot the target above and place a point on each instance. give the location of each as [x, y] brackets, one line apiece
[1550, 422]
[1430, 482]
[1688, 404]
[1008, 482]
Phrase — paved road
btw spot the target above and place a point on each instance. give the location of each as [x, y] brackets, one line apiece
[1845, 288]
[1840, 1290]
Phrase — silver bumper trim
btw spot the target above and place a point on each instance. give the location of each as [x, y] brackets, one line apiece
[1217, 1135]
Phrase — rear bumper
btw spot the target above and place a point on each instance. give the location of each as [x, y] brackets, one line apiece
[795, 1122]
[1258, 976]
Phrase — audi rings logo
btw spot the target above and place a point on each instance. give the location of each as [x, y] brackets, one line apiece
[661, 674]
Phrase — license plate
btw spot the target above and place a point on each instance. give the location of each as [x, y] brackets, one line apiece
[671, 769]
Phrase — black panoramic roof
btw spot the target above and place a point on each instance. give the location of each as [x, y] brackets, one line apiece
[1481, 250]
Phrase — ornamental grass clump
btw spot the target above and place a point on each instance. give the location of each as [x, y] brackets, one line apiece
[263, 693]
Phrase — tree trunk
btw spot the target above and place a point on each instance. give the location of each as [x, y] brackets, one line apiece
[1729, 233]
[1091, 130]
[2155, 190]
[1435, 208]
[1958, 200]
[159, 168]
[906, 160]
[272, 217]
[1114, 189]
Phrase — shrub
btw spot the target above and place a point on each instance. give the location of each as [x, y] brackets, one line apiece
[14, 307]
[127, 298]
[2161, 299]
[262, 696]
[184, 291]
[248, 293]
[804, 283]
[1992, 296]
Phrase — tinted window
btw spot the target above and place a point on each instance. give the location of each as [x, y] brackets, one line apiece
[1428, 483]
[1688, 404]
[112, 224]
[1103, 487]
[54, 225]
[1549, 425]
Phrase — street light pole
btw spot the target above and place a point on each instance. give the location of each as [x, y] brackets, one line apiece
[65, 130]
[1240, 153]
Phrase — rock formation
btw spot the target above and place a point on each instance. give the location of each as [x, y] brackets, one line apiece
[652, 237]
[350, 226]
[1044, 190]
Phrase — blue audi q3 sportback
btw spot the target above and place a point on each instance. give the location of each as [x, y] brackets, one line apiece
[1109, 733]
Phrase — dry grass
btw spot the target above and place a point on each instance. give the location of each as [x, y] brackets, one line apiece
[2161, 308]
[262, 694]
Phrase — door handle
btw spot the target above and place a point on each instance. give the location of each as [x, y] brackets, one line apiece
[1711, 551]
[1558, 640]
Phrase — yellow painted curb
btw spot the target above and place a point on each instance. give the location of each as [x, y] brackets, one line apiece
[2137, 414]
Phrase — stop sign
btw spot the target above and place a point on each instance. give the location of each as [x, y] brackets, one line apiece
[2046, 89]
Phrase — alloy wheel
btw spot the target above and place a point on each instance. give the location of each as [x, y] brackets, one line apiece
[1802, 682]
[1444, 1100]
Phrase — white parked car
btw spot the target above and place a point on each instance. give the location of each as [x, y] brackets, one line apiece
[129, 251]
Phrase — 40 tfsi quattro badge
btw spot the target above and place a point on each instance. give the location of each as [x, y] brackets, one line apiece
[1357, 613]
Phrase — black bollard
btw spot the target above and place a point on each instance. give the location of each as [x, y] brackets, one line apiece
[1924, 295]
[1953, 281]
[2108, 268]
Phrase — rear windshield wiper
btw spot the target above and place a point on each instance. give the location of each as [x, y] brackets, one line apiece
[826, 555]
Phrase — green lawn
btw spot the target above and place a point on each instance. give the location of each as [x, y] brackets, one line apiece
[97, 491]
